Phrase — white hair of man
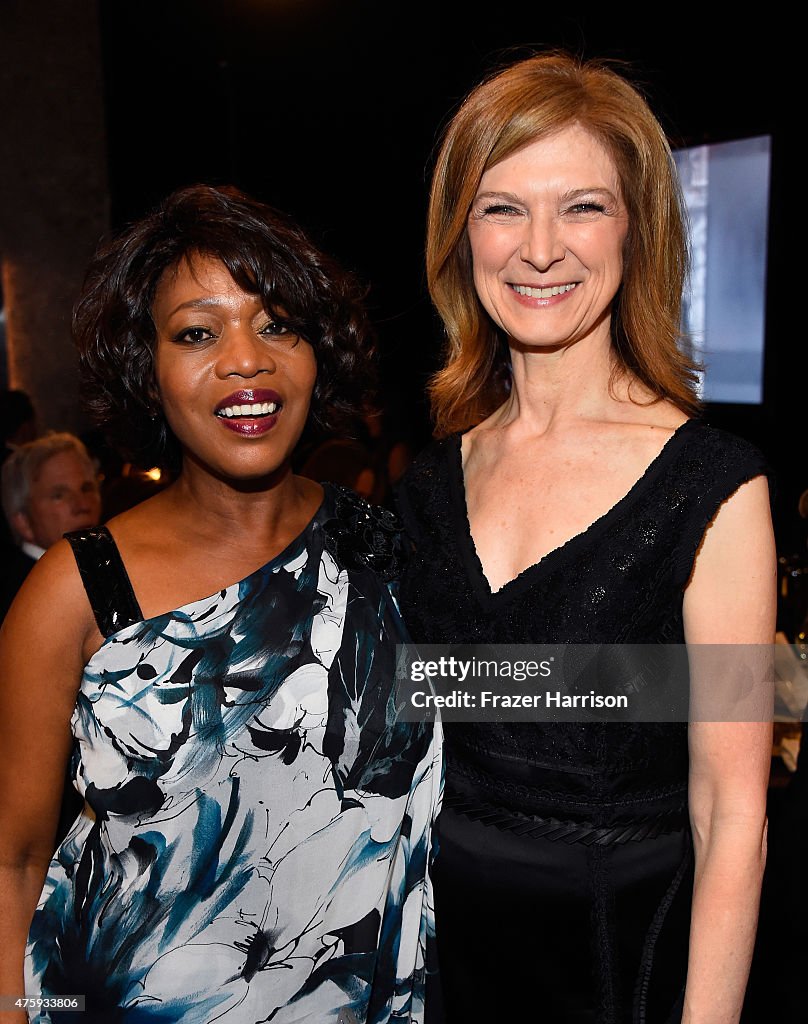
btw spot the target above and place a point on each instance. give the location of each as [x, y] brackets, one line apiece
[23, 466]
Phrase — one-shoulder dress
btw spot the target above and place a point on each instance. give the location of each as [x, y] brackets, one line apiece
[563, 877]
[257, 824]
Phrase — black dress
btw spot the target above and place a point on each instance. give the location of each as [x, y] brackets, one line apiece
[564, 872]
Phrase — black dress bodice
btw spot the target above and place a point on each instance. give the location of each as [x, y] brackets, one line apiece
[620, 581]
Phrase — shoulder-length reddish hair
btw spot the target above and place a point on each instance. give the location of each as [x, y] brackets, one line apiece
[530, 100]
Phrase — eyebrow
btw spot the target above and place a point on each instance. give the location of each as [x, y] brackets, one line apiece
[574, 193]
[195, 304]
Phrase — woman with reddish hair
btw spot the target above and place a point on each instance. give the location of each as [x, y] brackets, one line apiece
[589, 872]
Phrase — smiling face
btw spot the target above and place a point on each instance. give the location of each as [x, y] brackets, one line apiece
[234, 383]
[546, 229]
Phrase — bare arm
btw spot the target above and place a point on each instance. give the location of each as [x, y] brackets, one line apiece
[731, 599]
[41, 657]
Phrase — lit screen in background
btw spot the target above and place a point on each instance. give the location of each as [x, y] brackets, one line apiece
[726, 187]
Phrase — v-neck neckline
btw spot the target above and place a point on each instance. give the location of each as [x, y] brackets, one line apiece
[526, 578]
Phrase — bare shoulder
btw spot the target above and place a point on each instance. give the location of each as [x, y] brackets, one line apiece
[629, 437]
[54, 582]
[632, 402]
[140, 521]
[731, 595]
[742, 526]
[475, 440]
[52, 611]
[748, 506]
[153, 534]
[650, 424]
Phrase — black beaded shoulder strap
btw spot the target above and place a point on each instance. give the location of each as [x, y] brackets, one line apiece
[363, 536]
[105, 579]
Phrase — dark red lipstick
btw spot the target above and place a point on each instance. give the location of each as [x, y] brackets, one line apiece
[249, 396]
[249, 411]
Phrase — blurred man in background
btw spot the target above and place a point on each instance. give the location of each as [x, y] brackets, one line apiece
[50, 487]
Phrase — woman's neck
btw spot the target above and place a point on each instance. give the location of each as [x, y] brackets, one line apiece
[552, 386]
[254, 509]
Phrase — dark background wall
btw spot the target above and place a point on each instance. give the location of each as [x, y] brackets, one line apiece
[53, 189]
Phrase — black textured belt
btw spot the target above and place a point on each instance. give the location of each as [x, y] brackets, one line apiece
[556, 830]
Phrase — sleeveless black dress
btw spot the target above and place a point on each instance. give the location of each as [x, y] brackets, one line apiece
[564, 873]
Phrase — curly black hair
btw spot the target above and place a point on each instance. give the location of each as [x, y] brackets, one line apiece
[267, 255]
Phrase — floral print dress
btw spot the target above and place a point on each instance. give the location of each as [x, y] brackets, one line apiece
[257, 828]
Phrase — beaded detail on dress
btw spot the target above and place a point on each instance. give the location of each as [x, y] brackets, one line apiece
[364, 536]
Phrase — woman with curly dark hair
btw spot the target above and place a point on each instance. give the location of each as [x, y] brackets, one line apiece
[257, 821]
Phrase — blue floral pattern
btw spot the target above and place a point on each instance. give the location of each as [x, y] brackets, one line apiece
[257, 827]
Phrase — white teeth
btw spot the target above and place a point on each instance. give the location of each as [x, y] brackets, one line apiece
[256, 409]
[543, 293]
